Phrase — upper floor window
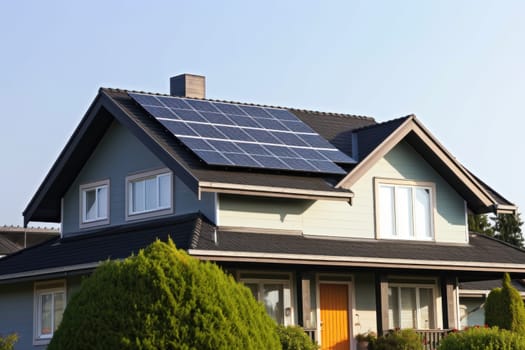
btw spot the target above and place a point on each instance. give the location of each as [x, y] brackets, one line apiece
[50, 303]
[94, 203]
[149, 194]
[404, 210]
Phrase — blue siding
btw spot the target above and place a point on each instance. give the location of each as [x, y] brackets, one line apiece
[120, 154]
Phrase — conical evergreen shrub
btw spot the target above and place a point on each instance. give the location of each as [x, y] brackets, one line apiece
[504, 308]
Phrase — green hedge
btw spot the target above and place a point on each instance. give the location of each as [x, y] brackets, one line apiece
[7, 342]
[404, 339]
[483, 339]
[295, 338]
[164, 299]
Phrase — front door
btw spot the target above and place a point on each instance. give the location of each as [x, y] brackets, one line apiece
[335, 333]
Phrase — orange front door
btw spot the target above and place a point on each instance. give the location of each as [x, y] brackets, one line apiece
[334, 317]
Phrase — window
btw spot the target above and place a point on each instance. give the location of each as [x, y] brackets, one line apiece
[94, 204]
[273, 291]
[404, 210]
[411, 307]
[149, 194]
[50, 302]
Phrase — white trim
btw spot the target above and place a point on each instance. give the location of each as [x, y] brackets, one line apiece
[412, 184]
[336, 260]
[104, 220]
[151, 212]
[39, 289]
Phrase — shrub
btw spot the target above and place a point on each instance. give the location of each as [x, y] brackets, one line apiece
[483, 338]
[163, 299]
[294, 338]
[404, 339]
[504, 308]
[8, 342]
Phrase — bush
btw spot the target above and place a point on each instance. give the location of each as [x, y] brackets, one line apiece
[483, 338]
[294, 338]
[163, 299]
[504, 308]
[404, 339]
[8, 342]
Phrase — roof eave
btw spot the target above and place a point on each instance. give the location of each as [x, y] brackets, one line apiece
[270, 191]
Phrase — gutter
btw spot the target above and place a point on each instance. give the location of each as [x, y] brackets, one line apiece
[52, 270]
[327, 260]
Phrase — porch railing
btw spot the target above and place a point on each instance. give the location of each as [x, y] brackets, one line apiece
[432, 337]
[311, 333]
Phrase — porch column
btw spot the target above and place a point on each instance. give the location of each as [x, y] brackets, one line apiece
[381, 289]
[448, 285]
[299, 298]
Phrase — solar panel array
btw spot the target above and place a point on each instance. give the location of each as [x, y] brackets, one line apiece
[244, 136]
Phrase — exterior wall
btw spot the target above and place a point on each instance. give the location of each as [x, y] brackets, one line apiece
[118, 155]
[365, 304]
[339, 219]
[16, 310]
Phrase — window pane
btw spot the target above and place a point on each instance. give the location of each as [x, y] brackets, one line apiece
[137, 196]
[164, 191]
[386, 211]
[58, 310]
[426, 309]
[408, 308]
[46, 304]
[102, 199]
[90, 200]
[393, 307]
[151, 193]
[422, 213]
[273, 301]
[404, 212]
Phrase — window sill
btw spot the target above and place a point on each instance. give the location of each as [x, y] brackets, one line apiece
[41, 341]
[149, 214]
[94, 223]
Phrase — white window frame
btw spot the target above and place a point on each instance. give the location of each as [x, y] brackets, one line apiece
[398, 183]
[417, 287]
[93, 186]
[151, 212]
[40, 289]
[260, 278]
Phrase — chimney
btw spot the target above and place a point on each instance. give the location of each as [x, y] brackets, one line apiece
[188, 85]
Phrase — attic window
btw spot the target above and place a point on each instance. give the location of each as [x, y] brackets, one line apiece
[404, 210]
[149, 194]
[94, 203]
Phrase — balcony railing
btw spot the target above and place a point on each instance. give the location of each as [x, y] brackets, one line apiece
[432, 337]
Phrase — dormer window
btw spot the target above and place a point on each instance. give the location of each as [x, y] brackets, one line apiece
[149, 194]
[94, 204]
[404, 209]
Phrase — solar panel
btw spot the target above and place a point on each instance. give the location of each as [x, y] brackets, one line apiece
[240, 135]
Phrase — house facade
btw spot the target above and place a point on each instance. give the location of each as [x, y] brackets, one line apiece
[335, 222]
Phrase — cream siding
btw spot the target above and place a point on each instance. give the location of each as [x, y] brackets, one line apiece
[339, 219]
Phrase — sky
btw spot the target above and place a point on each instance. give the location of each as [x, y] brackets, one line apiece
[457, 65]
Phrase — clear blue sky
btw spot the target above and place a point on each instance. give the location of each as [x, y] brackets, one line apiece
[458, 65]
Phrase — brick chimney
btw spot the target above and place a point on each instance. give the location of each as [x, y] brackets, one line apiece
[188, 85]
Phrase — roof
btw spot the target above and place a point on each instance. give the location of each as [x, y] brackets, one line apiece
[344, 131]
[488, 285]
[482, 253]
[197, 235]
[7, 247]
[86, 251]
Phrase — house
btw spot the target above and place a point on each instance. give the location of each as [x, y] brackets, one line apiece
[14, 238]
[335, 222]
[472, 297]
